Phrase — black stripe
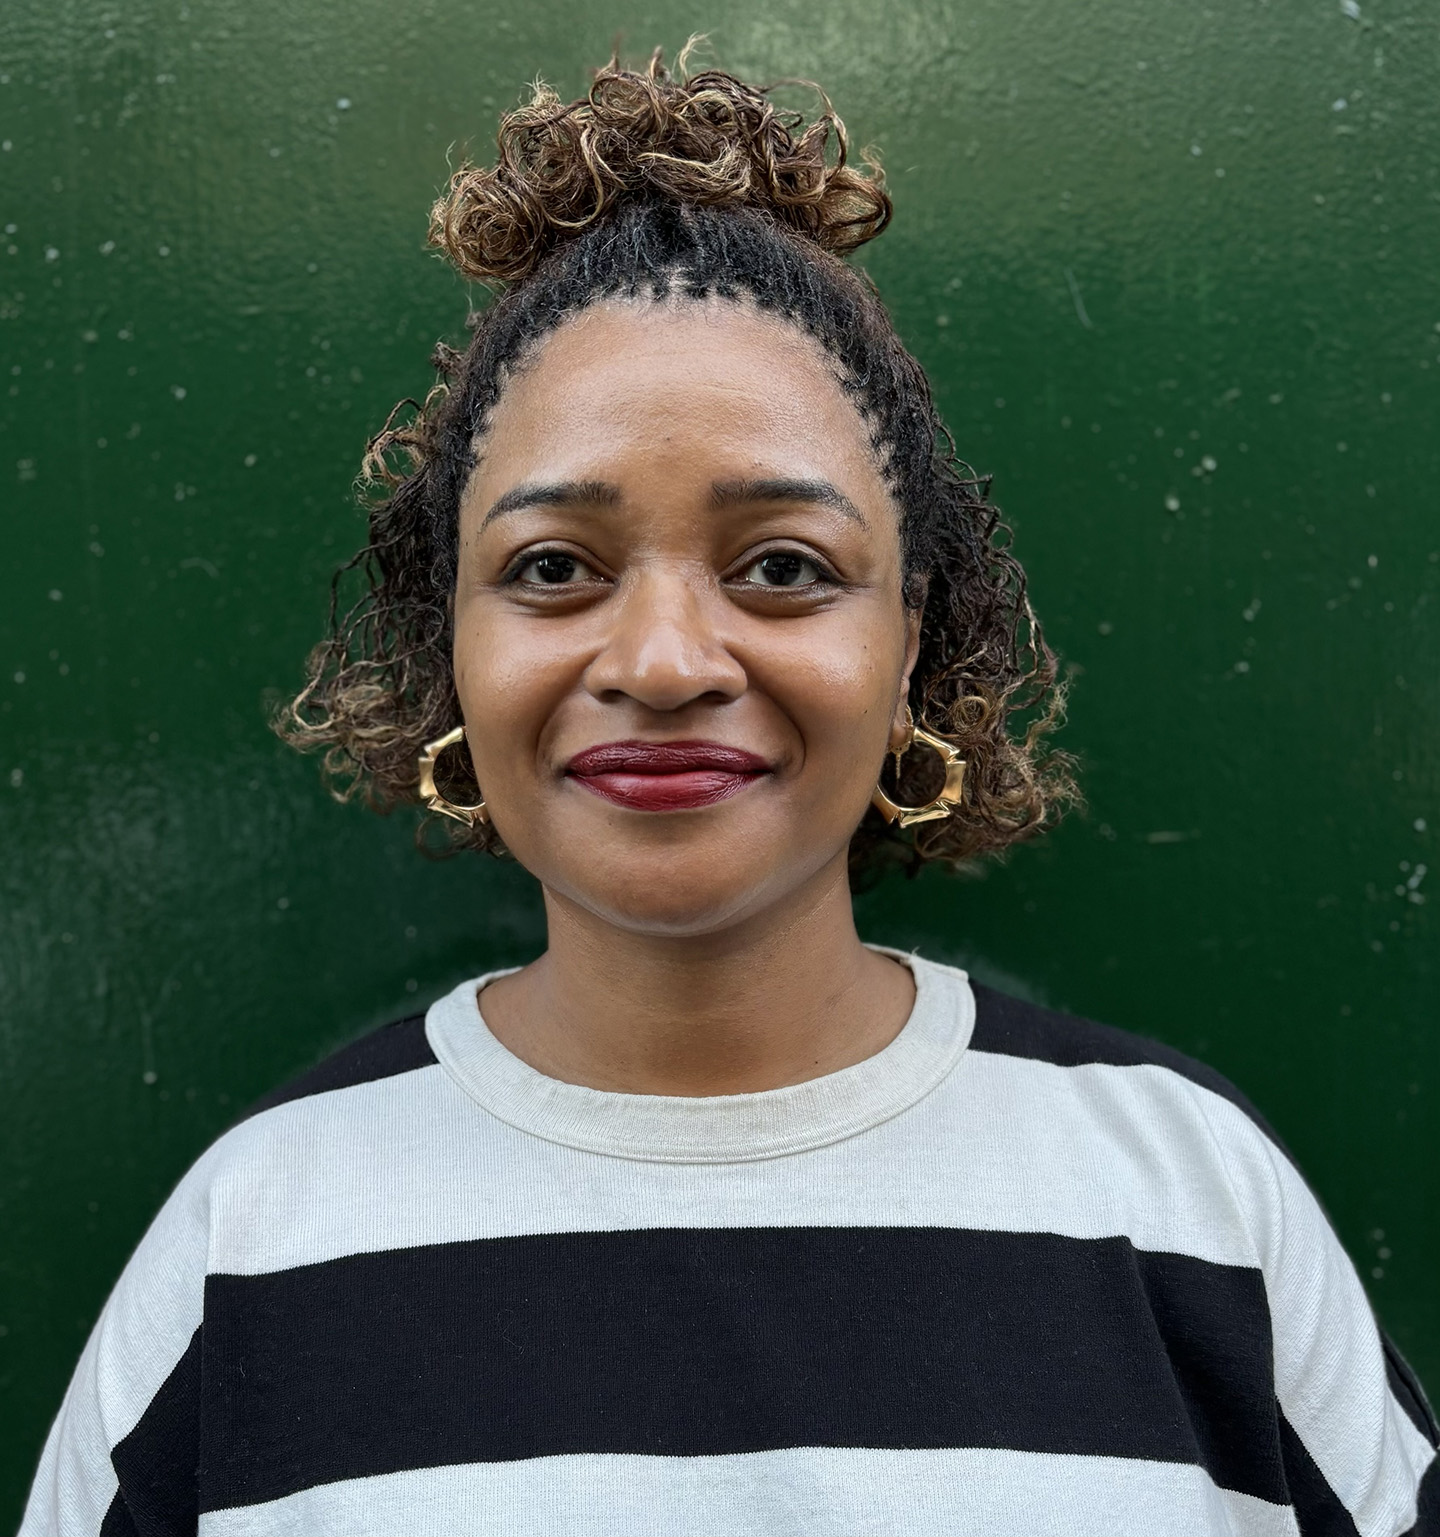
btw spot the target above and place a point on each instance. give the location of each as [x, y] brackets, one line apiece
[1318, 1509]
[1427, 1511]
[117, 1522]
[1405, 1385]
[396, 1048]
[1013, 1028]
[157, 1462]
[1220, 1353]
[706, 1341]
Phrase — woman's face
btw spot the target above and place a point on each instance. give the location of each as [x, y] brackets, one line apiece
[680, 646]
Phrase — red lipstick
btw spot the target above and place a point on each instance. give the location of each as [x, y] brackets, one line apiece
[666, 776]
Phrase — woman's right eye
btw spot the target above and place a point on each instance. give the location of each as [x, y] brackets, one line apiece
[553, 568]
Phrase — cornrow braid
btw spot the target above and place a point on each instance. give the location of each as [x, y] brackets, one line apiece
[381, 685]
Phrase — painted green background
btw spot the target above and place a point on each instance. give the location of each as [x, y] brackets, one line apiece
[1174, 272]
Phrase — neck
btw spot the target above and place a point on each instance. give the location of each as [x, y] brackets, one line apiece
[775, 999]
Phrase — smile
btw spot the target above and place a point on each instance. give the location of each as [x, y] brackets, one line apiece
[666, 776]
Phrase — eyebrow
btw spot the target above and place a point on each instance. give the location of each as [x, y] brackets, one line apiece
[725, 493]
[730, 493]
[560, 493]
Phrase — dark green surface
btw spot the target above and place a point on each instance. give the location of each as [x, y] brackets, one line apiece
[1174, 272]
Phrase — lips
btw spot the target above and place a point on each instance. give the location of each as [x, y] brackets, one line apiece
[666, 776]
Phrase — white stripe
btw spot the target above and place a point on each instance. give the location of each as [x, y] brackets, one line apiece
[1005, 1144]
[808, 1492]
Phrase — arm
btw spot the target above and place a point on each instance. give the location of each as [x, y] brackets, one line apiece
[1358, 1439]
[121, 1457]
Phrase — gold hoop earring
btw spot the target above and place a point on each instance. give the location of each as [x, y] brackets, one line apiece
[431, 795]
[951, 796]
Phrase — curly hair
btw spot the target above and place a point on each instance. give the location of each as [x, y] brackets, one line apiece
[685, 187]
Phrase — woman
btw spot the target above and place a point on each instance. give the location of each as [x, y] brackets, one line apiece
[713, 1219]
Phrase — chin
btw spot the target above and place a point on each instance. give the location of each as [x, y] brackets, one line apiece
[673, 897]
[683, 878]
[686, 889]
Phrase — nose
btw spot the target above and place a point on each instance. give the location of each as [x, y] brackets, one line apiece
[665, 647]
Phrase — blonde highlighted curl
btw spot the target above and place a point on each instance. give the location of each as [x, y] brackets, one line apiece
[707, 140]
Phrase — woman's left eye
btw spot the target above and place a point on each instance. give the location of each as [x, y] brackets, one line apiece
[783, 568]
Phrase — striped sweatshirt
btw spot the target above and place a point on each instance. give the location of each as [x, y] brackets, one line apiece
[1015, 1273]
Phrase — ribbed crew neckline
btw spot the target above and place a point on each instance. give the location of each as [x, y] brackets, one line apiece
[723, 1128]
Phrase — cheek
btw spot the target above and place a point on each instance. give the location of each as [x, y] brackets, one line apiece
[839, 686]
[507, 683]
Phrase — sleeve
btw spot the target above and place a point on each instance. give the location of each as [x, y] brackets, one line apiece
[1358, 1438]
[121, 1458]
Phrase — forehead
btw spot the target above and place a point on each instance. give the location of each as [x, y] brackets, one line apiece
[714, 385]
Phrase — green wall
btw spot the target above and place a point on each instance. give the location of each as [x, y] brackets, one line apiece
[1174, 271]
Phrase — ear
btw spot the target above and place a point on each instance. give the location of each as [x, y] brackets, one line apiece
[899, 730]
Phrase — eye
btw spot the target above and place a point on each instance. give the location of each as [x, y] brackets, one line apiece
[552, 568]
[784, 568]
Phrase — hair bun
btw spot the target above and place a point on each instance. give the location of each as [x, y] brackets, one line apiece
[702, 139]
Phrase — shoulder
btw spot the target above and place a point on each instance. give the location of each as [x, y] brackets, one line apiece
[393, 1049]
[361, 1101]
[323, 1114]
[330, 1162]
[1010, 1027]
[1167, 1148]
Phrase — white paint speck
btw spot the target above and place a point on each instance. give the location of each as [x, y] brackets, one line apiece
[1420, 824]
[1339, 104]
[1172, 503]
[343, 103]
